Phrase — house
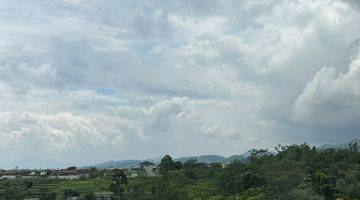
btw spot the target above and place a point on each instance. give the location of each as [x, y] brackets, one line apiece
[27, 177]
[10, 174]
[149, 168]
[8, 177]
[43, 173]
[146, 164]
[69, 176]
[72, 174]
[134, 168]
[133, 174]
[32, 174]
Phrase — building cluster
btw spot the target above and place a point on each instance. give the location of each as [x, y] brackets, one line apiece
[68, 174]
[145, 168]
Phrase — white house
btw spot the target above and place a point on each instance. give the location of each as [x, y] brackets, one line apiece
[43, 173]
[32, 174]
[7, 177]
[149, 168]
[73, 198]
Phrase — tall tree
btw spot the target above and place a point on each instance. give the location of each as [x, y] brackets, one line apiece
[28, 185]
[119, 178]
[168, 164]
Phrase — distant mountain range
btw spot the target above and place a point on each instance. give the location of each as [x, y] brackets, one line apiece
[116, 164]
[213, 159]
[203, 158]
[333, 146]
[338, 146]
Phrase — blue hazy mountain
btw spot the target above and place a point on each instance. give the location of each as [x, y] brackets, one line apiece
[338, 146]
[203, 158]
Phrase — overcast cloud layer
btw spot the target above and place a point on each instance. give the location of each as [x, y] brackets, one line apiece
[85, 81]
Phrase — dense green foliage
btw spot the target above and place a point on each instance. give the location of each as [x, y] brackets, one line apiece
[118, 178]
[167, 164]
[294, 172]
[50, 189]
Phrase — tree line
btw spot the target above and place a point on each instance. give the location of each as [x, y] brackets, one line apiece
[297, 172]
[293, 172]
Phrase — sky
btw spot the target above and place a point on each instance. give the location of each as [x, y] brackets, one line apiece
[87, 81]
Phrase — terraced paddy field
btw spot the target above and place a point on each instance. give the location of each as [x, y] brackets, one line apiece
[45, 185]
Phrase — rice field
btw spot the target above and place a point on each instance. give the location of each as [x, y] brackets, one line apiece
[54, 185]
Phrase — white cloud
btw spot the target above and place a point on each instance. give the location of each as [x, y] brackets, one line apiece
[331, 98]
[190, 28]
[181, 76]
[73, 1]
[40, 131]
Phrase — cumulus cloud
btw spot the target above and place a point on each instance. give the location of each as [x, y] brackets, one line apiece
[331, 98]
[42, 131]
[90, 81]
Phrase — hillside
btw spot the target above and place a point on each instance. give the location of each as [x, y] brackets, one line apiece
[116, 164]
[338, 146]
[203, 158]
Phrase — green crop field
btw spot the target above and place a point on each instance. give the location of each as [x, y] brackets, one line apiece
[55, 185]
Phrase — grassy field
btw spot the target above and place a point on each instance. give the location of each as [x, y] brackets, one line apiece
[57, 186]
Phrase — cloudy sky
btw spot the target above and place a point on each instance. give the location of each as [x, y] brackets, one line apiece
[86, 81]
